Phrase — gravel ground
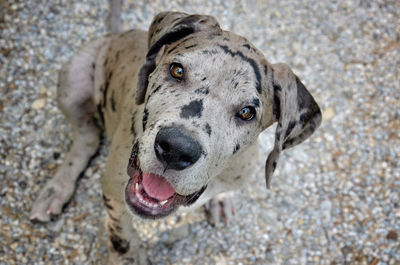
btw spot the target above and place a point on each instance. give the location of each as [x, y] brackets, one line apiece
[334, 199]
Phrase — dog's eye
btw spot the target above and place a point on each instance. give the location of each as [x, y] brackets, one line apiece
[247, 113]
[176, 71]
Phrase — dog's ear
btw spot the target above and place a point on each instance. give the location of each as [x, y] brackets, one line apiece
[296, 112]
[166, 28]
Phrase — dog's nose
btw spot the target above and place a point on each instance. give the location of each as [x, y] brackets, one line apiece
[175, 149]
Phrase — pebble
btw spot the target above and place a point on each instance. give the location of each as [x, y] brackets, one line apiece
[38, 103]
[328, 113]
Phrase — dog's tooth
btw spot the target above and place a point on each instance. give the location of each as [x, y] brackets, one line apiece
[137, 186]
[163, 202]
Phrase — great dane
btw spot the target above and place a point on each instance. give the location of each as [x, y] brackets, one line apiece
[182, 106]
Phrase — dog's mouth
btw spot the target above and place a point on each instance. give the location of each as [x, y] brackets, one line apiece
[150, 195]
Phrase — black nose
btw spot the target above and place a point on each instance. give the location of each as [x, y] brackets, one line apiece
[175, 149]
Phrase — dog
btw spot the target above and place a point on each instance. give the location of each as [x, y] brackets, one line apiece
[182, 106]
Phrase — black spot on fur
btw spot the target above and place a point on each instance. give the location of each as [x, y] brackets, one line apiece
[107, 83]
[50, 192]
[111, 229]
[246, 46]
[305, 118]
[70, 164]
[237, 177]
[237, 147]
[304, 99]
[112, 102]
[112, 217]
[158, 30]
[188, 20]
[120, 245]
[181, 43]
[101, 114]
[191, 46]
[108, 206]
[160, 18]
[252, 62]
[204, 78]
[172, 49]
[145, 116]
[155, 90]
[287, 143]
[107, 202]
[209, 52]
[93, 66]
[214, 34]
[133, 131]
[202, 90]
[256, 102]
[278, 135]
[277, 107]
[289, 129]
[274, 165]
[169, 38]
[207, 129]
[276, 87]
[265, 69]
[193, 109]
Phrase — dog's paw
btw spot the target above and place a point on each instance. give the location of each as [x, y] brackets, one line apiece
[220, 209]
[50, 202]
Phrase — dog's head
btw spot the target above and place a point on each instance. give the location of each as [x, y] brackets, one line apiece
[207, 95]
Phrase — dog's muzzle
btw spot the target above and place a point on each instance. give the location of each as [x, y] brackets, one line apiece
[150, 195]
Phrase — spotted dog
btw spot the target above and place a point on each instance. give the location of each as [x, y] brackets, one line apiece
[182, 106]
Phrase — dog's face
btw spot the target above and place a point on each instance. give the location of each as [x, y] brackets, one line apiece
[207, 94]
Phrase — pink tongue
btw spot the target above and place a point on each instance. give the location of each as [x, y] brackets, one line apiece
[157, 187]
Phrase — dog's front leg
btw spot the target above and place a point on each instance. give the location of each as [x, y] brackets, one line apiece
[124, 243]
